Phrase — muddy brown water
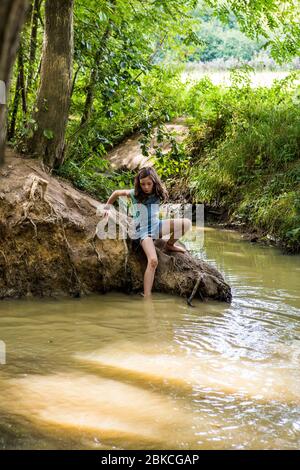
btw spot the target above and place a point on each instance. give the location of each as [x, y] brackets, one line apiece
[116, 372]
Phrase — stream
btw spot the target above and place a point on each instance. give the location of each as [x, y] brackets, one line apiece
[114, 371]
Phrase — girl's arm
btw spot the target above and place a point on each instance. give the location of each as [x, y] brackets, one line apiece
[113, 197]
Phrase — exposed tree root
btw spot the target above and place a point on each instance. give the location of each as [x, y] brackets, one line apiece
[190, 298]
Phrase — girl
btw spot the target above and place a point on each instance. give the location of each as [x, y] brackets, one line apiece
[149, 190]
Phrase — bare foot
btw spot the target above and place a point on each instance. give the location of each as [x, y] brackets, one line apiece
[180, 249]
[149, 296]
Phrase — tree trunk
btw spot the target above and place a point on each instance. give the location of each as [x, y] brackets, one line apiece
[89, 94]
[12, 13]
[53, 101]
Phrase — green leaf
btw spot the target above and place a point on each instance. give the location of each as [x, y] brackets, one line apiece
[48, 134]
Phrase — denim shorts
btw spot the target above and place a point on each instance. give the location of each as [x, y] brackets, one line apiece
[147, 233]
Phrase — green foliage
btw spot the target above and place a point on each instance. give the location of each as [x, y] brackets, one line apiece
[223, 42]
[132, 90]
[175, 163]
[48, 134]
[275, 20]
[168, 164]
[95, 177]
[246, 145]
[159, 98]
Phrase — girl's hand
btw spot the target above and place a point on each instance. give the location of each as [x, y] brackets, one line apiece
[106, 211]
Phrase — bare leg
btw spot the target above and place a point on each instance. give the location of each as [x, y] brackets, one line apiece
[149, 249]
[176, 228]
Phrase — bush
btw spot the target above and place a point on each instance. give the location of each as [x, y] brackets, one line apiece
[248, 153]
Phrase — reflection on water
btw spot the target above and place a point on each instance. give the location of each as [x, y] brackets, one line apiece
[115, 371]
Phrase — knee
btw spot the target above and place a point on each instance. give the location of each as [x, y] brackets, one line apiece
[153, 262]
[187, 224]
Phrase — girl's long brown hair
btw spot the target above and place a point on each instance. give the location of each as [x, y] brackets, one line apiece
[158, 187]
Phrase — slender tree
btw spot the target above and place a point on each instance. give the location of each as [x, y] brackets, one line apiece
[33, 41]
[12, 14]
[19, 92]
[90, 91]
[52, 106]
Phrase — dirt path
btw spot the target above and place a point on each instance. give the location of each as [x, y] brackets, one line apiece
[128, 154]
